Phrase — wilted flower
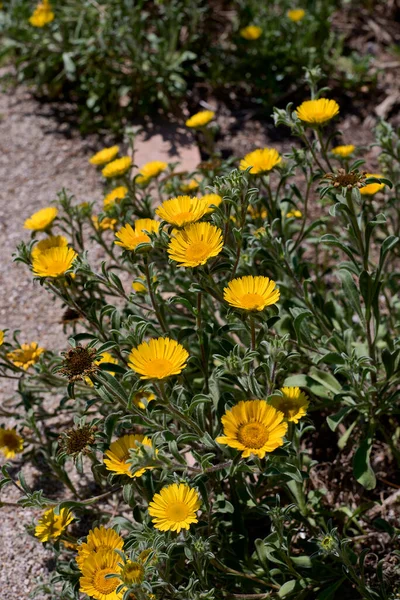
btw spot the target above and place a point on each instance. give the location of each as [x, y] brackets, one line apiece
[79, 363]
[353, 179]
[77, 440]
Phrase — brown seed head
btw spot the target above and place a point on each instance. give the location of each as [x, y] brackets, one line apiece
[347, 180]
[77, 440]
[79, 363]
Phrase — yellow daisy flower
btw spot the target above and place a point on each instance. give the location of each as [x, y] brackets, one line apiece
[2, 334]
[195, 244]
[42, 219]
[106, 357]
[295, 214]
[317, 112]
[104, 156]
[253, 427]
[25, 356]
[118, 454]
[130, 238]
[212, 200]
[157, 359]
[117, 167]
[260, 161]
[256, 213]
[51, 526]
[106, 223]
[94, 582]
[293, 403]
[142, 398]
[10, 442]
[343, 151]
[53, 262]
[140, 286]
[132, 572]
[175, 507]
[150, 170]
[372, 188]
[42, 15]
[190, 186]
[182, 210]
[296, 14]
[251, 32]
[251, 293]
[118, 193]
[53, 241]
[200, 119]
[99, 539]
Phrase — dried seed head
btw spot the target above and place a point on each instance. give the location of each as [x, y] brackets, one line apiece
[77, 440]
[79, 363]
[346, 180]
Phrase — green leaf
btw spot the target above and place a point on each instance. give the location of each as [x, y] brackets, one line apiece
[288, 587]
[326, 379]
[362, 467]
[328, 593]
[334, 420]
[342, 441]
[351, 292]
[387, 245]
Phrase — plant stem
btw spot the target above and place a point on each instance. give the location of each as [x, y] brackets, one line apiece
[153, 299]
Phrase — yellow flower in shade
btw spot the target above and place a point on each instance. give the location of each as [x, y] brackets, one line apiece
[105, 358]
[195, 244]
[251, 293]
[140, 286]
[51, 526]
[53, 241]
[118, 454]
[190, 186]
[296, 14]
[150, 170]
[142, 399]
[260, 161]
[175, 507]
[53, 262]
[99, 539]
[2, 334]
[94, 581]
[317, 112]
[200, 119]
[118, 193]
[182, 210]
[293, 403]
[372, 188]
[104, 156]
[132, 572]
[10, 442]
[343, 151]
[211, 200]
[25, 356]
[253, 427]
[251, 32]
[257, 213]
[295, 214]
[117, 167]
[42, 219]
[104, 224]
[157, 359]
[42, 15]
[129, 237]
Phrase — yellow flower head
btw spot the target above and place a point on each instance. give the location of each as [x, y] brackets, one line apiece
[257, 213]
[295, 214]
[372, 188]
[182, 210]
[175, 507]
[51, 526]
[190, 186]
[293, 403]
[42, 15]
[157, 359]
[142, 398]
[118, 167]
[251, 32]
[251, 293]
[42, 219]
[25, 356]
[296, 14]
[200, 119]
[94, 581]
[104, 156]
[10, 442]
[150, 170]
[118, 454]
[140, 286]
[253, 427]
[118, 193]
[343, 151]
[99, 539]
[104, 224]
[129, 237]
[106, 357]
[260, 161]
[2, 334]
[53, 262]
[132, 572]
[195, 244]
[317, 112]
[211, 200]
[53, 241]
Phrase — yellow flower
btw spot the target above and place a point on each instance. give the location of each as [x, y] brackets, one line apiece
[10, 442]
[53, 241]
[117, 167]
[99, 539]
[130, 238]
[132, 572]
[251, 32]
[106, 223]
[2, 334]
[294, 213]
[157, 359]
[118, 193]
[118, 454]
[51, 525]
[200, 119]
[296, 14]
[150, 170]
[190, 186]
[253, 427]
[293, 403]
[175, 507]
[42, 219]
[94, 582]
[260, 161]
[141, 288]
[251, 293]
[372, 188]
[343, 151]
[142, 398]
[105, 358]
[104, 156]
[257, 213]
[195, 244]
[53, 262]
[25, 356]
[42, 15]
[182, 210]
[317, 112]
[211, 200]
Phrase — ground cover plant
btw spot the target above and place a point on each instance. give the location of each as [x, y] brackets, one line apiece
[229, 381]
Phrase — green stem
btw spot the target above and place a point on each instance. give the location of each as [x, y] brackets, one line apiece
[153, 299]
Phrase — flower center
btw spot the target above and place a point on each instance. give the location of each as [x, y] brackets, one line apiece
[103, 585]
[197, 251]
[177, 512]
[252, 301]
[10, 441]
[159, 368]
[252, 435]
